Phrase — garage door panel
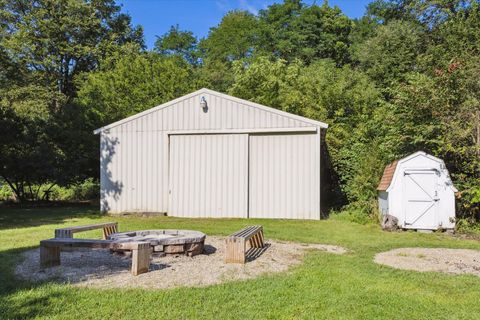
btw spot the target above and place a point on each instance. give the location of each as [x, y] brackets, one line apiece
[284, 180]
[208, 175]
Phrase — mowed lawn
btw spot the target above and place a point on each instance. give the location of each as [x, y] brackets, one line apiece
[325, 286]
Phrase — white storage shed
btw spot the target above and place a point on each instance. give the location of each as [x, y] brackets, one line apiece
[417, 190]
[208, 154]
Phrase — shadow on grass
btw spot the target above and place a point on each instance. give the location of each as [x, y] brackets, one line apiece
[22, 299]
[11, 217]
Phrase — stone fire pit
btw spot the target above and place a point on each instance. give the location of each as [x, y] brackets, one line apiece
[189, 242]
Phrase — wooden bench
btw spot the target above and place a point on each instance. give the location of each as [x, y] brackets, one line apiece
[50, 251]
[108, 229]
[235, 244]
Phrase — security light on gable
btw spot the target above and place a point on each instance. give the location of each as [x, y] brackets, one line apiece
[203, 104]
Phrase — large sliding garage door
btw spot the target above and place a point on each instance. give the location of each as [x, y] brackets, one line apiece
[284, 177]
[208, 175]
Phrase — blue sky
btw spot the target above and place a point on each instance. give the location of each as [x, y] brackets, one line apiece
[156, 16]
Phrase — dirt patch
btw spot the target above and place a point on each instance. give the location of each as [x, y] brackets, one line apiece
[453, 261]
[100, 269]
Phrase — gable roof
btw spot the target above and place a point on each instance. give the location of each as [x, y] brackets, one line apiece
[389, 172]
[218, 94]
[387, 176]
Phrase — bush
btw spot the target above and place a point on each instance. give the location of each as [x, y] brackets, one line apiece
[84, 191]
[467, 225]
[362, 212]
[5, 192]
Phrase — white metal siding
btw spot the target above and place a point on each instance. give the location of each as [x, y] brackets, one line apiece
[135, 154]
[208, 175]
[221, 114]
[284, 176]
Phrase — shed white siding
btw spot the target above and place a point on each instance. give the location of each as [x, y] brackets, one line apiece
[151, 161]
[420, 194]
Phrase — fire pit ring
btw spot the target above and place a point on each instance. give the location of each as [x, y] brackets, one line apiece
[169, 241]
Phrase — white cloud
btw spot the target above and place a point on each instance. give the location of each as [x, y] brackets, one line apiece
[245, 5]
[222, 5]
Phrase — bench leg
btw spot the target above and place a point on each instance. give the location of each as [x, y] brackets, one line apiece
[49, 256]
[235, 250]
[257, 240]
[141, 259]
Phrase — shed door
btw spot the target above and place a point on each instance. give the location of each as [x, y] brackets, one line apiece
[208, 175]
[284, 176]
[420, 199]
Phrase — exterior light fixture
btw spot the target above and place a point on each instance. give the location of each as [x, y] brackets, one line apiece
[203, 104]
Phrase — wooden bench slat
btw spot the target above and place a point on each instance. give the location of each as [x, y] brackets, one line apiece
[91, 243]
[247, 232]
[88, 227]
[50, 251]
[108, 229]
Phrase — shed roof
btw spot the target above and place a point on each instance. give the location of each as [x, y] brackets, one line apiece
[222, 95]
[387, 176]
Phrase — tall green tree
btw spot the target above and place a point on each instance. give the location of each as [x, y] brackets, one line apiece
[178, 42]
[234, 38]
[293, 30]
[392, 52]
[58, 39]
[45, 45]
[132, 83]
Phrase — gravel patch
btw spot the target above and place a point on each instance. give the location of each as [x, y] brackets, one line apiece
[100, 269]
[453, 261]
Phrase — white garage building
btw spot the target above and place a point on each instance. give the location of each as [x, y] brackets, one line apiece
[208, 154]
[417, 190]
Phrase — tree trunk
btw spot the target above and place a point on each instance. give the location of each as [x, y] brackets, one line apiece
[15, 189]
[46, 192]
[477, 127]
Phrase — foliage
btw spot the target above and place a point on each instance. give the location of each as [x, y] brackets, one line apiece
[392, 53]
[27, 155]
[134, 82]
[84, 191]
[292, 30]
[232, 39]
[61, 38]
[44, 46]
[178, 42]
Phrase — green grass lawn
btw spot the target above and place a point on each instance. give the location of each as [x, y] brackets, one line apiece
[325, 286]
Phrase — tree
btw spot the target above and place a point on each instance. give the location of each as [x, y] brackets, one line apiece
[292, 30]
[323, 32]
[45, 45]
[178, 42]
[58, 39]
[134, 82]
[234, 38]
[392, 52]
[28, 155]
[277, 32]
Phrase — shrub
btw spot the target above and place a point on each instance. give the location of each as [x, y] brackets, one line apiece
[86, 190]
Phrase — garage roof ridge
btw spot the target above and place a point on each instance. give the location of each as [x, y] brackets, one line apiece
[218, 94]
